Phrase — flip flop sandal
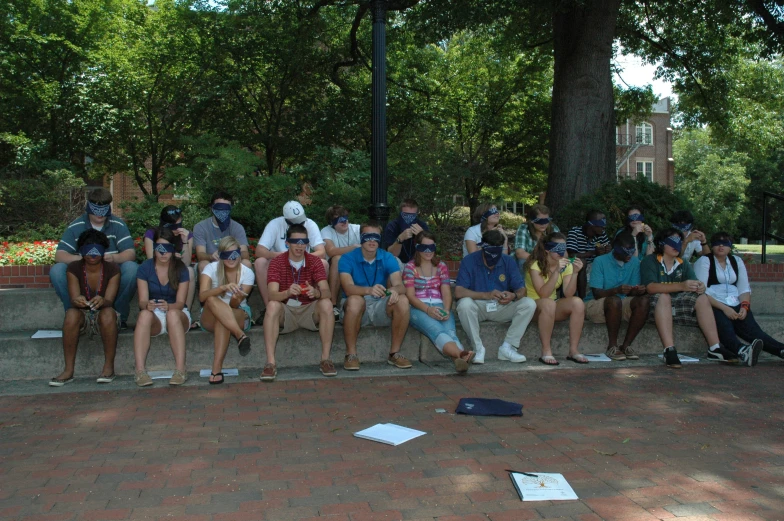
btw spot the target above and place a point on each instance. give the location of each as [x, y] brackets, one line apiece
[106, 379]
[544, 360]
[217, 382]
[194, 325]
[243, 344]
[576, 360]
[59, 382]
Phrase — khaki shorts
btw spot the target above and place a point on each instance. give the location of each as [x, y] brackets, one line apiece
[295, 317]
[375, 311]
[594, 310]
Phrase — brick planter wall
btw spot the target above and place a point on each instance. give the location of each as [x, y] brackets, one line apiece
[14, 277]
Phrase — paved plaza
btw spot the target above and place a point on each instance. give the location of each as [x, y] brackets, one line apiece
[636, 442]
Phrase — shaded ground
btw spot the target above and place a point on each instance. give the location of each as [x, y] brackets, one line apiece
[636, 443]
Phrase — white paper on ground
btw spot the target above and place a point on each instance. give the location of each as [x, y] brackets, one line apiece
[542, 487]
[48, 333]
[160, 375]
[601, 357]
[205, 373]
[685, 359]
[389, 433]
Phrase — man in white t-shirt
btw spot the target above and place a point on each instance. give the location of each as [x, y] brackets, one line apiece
[340, 237]
[273, 241]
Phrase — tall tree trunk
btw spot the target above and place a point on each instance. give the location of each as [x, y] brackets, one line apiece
[582, 132]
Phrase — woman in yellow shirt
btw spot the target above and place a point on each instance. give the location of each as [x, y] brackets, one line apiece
[546, 270]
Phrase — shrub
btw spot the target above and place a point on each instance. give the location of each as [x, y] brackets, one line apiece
[37, 253]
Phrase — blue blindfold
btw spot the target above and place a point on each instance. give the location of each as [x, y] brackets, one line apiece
[426, 248]
[601, 223]
[492, 254]
[172, 226]
[342, 219]
[299, 240]
[230, 254]
[728, 244]
[624, 252]
[222, 213]
[367, 237]
[92, 250]
[488, 213]
[556, 247]
[164, 247]
[673, 242]
[634, 217]
[99, 210]
[542, 220]
[408, 217]
[686, 228]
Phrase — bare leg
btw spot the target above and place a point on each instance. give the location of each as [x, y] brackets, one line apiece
[401, 314]
[191, 288]
[572, 308]
[325, 319]
[147, 324]
[663, 317]
[224, 315]
[545, 308]
[273, 321]
[220, 339]
[334, 279]
[74, 319]
[261, 266]
[706, 320]
[613, 314]
[177, 324]
[640, 308]
[107, 325]
[355, 308]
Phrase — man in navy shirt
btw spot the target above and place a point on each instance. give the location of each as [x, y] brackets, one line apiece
[400, 233]
[98, 216]
[375, 296]
[489, 287]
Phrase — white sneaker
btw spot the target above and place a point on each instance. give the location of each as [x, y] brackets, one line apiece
[511, 354]
[480, 355]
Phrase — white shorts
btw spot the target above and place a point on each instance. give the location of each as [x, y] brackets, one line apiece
[161, 316]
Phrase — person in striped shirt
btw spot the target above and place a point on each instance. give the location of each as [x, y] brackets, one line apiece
[586, 242]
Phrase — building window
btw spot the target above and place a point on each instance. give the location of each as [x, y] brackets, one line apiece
[645, 134]
[645, 169]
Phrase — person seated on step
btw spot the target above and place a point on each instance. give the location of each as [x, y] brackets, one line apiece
[729, 293]
[120, 251]
[93, 283]
[547, 271]
[400, 232]
[171, 217]
[273, 242]
[538, 223]
[208, 233]
[375, 296]
[340, 237]
[223, 290]
[489, 287]
[426, 279]
[299, 297]
[616, 294]
[676, 296]
[162, 287]
[641, 232]
[587, 242]
[694, 242]
[489, 219]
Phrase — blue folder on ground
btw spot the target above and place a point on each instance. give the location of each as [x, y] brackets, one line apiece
[488, 407]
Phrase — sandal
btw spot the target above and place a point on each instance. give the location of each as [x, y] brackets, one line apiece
[549, 360]
[243, 344]
[105, 379]
[577, 359]
[59, 382]
[216, 382]
[194, 325]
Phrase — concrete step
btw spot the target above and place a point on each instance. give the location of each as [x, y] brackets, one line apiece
[24, 358]
[24, 309]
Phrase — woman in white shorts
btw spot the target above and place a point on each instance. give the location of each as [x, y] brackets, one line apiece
[162, 287]
[223, 289]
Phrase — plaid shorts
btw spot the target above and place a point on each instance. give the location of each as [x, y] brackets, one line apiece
[682, 307]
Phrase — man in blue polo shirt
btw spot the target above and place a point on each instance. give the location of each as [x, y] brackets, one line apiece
[489, 287]
[617, 294]
[98, 215]
[375, 296]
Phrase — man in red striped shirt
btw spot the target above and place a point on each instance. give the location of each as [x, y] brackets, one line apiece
[299, 298]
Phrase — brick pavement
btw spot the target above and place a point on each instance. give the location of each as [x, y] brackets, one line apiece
[636, 443]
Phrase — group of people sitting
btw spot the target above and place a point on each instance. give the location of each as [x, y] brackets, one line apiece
[340, 272]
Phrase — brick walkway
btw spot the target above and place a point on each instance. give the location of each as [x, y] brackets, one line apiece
[640, 443]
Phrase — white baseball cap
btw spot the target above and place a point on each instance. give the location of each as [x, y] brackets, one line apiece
[294, 212]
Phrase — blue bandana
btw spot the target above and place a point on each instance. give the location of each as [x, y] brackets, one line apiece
[408, 218]
[367, 237]
[556, 247]
[492, 254]
[624, 252]
[172, 226]
[425, 248]
[601, 223]
[685, 228]
[542, 220]
[99, 210]
[338, 220]
[634, 217]
[488, 213]
[230, 254]
[164, 247]
[92, 250]
[298, 241]
[222, 213]
[174, 211]
[724, 242]
[673, 242]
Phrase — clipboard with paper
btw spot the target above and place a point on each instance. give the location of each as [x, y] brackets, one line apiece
[542, 486]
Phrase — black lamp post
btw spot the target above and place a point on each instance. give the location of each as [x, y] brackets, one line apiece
[379, 209]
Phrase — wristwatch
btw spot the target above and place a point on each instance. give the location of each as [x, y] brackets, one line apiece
[399, 241]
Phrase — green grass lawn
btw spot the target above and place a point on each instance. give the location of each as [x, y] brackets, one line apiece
[757, 248]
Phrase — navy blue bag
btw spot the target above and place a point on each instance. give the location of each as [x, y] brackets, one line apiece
[488, 407]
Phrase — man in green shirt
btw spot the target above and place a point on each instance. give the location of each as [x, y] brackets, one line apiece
[676, 294]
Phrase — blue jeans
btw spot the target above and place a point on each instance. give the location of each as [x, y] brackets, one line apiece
[58, 278]
[440, 333]
[747, 329]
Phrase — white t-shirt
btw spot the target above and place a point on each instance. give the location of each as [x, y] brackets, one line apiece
[247, 278]
[350, 238]
[693, 246]
[474, 233]
[274, 236]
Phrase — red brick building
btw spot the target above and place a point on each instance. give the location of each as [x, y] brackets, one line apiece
[644, 148]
